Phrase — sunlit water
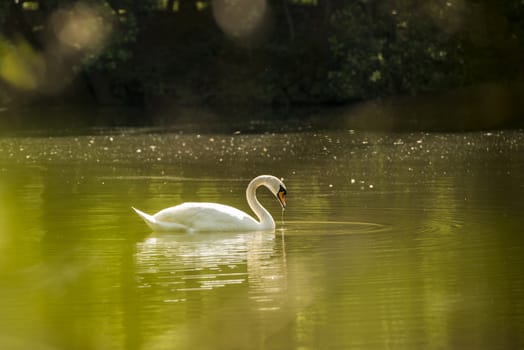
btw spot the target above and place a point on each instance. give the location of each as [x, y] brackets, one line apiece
[389, 241]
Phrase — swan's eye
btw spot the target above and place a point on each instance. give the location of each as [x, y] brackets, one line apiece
[283, 190]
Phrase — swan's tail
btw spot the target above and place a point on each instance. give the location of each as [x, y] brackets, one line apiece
[156, 225]
[149, 219]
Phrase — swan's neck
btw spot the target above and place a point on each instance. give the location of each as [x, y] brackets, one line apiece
[266, 220]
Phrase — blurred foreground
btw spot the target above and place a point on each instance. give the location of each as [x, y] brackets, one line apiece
[389, 241]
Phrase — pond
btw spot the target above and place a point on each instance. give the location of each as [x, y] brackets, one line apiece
[388, 241]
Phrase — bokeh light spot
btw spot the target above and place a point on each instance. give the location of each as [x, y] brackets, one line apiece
[241, 19]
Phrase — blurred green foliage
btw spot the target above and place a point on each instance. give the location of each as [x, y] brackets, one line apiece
[382, 51]
[304, 53]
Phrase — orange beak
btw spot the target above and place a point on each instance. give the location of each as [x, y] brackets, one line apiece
[282, 198]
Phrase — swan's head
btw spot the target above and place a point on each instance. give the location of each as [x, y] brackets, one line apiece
[277, 187]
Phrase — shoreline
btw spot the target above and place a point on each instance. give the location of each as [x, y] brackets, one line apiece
[477, 108]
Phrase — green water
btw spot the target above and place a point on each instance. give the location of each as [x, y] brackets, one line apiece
[389, 241]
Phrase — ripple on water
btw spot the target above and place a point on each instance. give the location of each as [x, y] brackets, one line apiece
[333, 227]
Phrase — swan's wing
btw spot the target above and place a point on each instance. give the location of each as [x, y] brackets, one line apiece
[207, 217]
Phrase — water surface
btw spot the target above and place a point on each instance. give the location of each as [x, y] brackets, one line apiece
[389, 241]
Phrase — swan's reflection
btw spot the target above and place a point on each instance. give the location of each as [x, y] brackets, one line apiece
[200, 280]
[267, 272]
[176, 265]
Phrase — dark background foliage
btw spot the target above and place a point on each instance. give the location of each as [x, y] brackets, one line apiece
[275, 54]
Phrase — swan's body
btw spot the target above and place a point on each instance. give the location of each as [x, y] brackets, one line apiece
[219, 217]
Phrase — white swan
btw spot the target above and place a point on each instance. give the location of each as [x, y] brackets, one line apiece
[219, 217]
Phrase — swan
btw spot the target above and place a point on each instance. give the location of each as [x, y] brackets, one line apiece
[191, 216]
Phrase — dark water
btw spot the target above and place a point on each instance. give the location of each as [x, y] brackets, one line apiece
[389, 241]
